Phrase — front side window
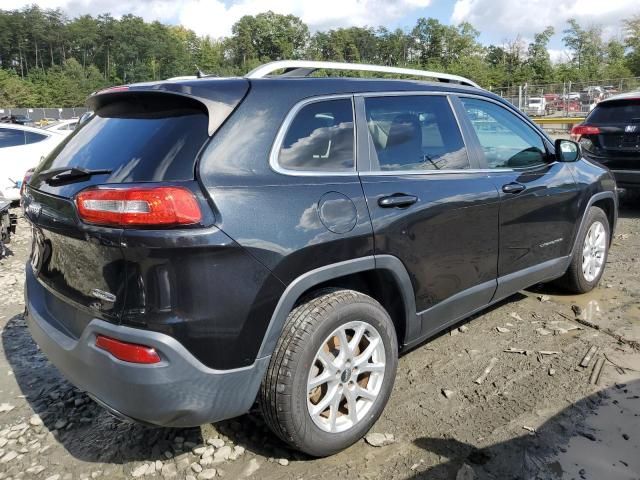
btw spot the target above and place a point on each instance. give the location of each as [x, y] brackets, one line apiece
[320, 138]
[11, 138]
[414, 133]
[506, 140]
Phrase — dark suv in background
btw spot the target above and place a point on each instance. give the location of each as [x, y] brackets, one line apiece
[610, 135]
[200, 244]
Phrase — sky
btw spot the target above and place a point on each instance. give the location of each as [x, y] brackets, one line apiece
[497, 20]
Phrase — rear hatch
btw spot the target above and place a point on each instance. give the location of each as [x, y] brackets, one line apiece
[611, 134]
[144, 136]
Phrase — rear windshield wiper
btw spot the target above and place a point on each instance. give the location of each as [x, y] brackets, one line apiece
[59, 176]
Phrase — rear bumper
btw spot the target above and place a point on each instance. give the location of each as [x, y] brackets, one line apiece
[627, 178]
[177, 392]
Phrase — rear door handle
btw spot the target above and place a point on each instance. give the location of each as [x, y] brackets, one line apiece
[513, 187]
[397, 200]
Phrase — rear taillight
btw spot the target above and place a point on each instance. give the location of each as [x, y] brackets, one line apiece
[138, 206]
[128, 352]
[579, 130]
[27, 177]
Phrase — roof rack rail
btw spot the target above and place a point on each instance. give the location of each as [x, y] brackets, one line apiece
[303, 68]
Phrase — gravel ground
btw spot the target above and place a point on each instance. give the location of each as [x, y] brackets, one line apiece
[536, 415]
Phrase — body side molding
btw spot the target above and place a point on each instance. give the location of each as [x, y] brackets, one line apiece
[542, 272]
[330, 272]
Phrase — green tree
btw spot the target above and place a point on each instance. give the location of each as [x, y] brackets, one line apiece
[15, 92]
[632, 42]
[268, 36]
[539, 60]
[587, 48]
[48, 59]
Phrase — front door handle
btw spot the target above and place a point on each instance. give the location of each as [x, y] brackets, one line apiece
[513, 187]
[397, 200]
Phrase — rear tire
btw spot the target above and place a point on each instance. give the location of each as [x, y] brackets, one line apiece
[590, 254]
[318, 396]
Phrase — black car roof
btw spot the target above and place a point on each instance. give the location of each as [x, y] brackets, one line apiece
[623, 96]
[302, 87]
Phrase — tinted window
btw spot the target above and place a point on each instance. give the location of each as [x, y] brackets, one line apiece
[147, 138]
[320, 138]
[415, 133]
[616, 112]
[32, 137]
[507, 141]
[10, 137]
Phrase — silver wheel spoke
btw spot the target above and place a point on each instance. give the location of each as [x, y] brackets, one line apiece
[326, 401]
[345, 352]
[321, 379]
[364, 356]
[364, 393]
[357, 338]
[371, 367]
[333, 409]
[327, 360]
[351, 405]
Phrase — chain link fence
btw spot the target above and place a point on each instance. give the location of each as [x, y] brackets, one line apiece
[37, 115]
[566, 99]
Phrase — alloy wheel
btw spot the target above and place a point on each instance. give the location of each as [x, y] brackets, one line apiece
[593, 251]
[346, 377]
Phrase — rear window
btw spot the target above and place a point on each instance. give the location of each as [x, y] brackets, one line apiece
[627, 111]
[143, 138]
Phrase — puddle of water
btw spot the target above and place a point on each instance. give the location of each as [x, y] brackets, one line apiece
[610, 441]
[597, 305]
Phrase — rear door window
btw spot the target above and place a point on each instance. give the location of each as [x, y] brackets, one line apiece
[140, 139]
[11, 138]
[320, 138]
[414, 133]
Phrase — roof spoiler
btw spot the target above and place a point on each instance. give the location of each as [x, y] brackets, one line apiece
[220, 96]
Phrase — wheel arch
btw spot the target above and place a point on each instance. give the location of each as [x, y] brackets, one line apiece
[608, 202]
[384, 277]
[608, 205]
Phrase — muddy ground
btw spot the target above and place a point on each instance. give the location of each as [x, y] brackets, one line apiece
[535, 416]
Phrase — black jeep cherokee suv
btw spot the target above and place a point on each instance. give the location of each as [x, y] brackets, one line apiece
[200, 244]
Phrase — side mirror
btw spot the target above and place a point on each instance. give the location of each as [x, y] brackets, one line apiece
[567, 150]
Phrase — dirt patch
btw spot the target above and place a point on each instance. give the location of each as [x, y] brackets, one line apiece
[535, 415]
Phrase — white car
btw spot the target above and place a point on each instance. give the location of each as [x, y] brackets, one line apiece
[22, 148]
[64, 127]
[537, 106]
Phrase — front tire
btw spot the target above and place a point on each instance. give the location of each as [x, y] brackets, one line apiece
[590, 254]
[332, 372]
